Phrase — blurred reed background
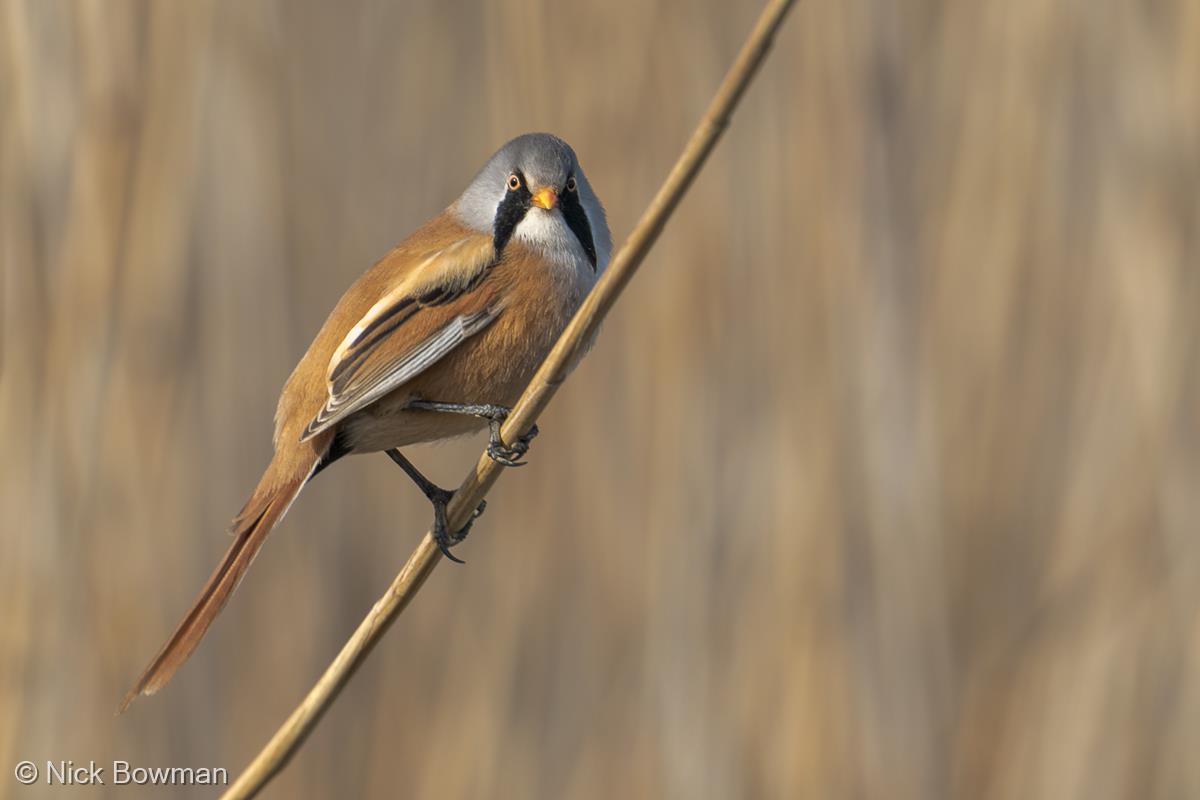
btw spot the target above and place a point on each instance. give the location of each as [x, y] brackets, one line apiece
[882, 482]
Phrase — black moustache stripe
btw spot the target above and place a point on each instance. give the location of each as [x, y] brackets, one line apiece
[509, 213]
[577, 221]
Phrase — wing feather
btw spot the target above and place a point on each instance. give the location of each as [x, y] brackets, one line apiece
[372, 361]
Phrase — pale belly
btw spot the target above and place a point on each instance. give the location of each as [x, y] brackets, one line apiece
[372, 432]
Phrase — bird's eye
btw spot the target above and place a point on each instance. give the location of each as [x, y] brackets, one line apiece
[571, 184]
[514, 182]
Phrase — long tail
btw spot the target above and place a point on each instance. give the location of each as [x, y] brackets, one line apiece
[265, 508]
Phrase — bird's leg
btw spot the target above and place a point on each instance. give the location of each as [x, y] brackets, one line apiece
[507, 454]
[439, 497]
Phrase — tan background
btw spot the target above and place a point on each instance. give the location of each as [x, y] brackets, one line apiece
[882, 482]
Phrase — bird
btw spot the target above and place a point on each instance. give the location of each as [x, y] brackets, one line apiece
[436, 340]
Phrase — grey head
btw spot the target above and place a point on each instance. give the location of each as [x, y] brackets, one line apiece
[533, 190]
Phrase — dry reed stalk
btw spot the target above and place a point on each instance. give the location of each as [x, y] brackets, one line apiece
[283, 745]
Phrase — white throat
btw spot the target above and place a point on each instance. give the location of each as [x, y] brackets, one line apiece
[548, 232]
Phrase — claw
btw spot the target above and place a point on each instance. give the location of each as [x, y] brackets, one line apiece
[439, 498]
[441, 534]
[509, 455]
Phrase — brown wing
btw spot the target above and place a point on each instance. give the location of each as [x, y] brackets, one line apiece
[436, 307]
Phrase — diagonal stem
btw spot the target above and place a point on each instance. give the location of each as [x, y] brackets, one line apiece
[287, 740]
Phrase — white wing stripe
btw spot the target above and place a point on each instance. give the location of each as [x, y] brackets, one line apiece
[415, 361]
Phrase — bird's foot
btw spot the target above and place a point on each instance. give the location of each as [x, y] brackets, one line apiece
[508, 455]
[439, 498]
[442, 536]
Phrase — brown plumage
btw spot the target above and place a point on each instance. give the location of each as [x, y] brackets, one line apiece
[442, 317]
[250, 531]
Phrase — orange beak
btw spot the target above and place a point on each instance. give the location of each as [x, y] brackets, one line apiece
[546, 198]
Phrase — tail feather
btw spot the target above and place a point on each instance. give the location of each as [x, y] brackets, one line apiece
[251, 527]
